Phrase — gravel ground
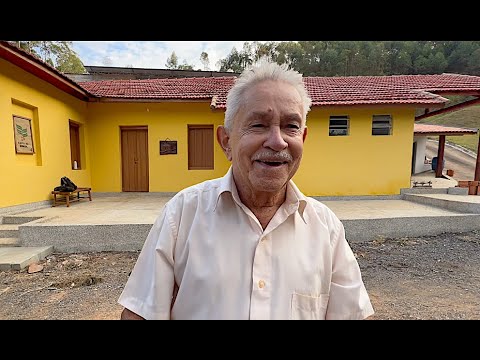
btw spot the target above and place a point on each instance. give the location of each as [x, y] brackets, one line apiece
[434, 277]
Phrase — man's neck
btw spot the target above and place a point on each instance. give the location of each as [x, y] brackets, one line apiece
[263, 204]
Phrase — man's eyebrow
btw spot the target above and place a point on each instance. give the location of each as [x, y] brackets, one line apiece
[292, 117]
[261, 114]
[258, 114]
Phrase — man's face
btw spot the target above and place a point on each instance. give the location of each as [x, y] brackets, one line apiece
[266, 142]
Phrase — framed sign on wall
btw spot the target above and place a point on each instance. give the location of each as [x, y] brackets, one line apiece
[168, 147]
[22, 128]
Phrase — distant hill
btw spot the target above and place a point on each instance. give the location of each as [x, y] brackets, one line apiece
[468, 117]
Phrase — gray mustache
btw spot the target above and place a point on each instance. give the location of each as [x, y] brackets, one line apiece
[272, 156]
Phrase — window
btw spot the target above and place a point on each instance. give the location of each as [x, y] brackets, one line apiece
[200, 147]
[338, 126]
[75, 146]
[382, 125]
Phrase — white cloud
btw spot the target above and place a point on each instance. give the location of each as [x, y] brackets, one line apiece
[152, 54]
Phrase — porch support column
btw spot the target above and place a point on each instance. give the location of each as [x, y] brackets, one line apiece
[477, 166]
[441, 152]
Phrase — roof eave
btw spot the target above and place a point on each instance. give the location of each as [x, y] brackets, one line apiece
[147, 100]
[39, 70]
[449, 109]
[459, 133]
[429, 105]
[463, 92]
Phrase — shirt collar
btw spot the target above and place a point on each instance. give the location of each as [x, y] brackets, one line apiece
[294, 196]
[227, 184]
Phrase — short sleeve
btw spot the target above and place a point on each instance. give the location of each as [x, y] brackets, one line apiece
[148, 291]
[348, 298]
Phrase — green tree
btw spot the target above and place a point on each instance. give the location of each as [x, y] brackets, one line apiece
[172, 61]
[438, 63]
[237, 61]
[58, 54]
[420, 65]
[185, 66]
[473, 65]
[267, 50]
[398, 58]
[205, 61]
[460, 55]
[69, 63]
[28, 46]
[290, 53]
[351, 58]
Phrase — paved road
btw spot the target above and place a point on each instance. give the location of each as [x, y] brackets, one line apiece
[463, 165]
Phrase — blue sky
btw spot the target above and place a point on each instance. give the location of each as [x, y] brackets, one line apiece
[152, 54]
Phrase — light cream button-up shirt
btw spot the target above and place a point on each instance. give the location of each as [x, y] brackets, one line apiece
[212, 249]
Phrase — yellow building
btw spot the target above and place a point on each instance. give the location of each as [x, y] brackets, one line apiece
[158, 135]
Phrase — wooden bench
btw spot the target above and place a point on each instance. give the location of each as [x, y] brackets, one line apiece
[67, 197]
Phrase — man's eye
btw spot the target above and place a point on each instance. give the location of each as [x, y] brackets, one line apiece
[293, 126]
[257, 125]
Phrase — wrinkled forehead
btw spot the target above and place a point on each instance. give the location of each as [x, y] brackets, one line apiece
[272, 95]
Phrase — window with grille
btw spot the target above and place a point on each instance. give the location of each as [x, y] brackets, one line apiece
[382, 125]
[338, 126]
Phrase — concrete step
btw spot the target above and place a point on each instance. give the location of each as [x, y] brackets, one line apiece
[456, 203]
[73, 238]
[8, 230]
[18, 219]
[18, 258]
[9, 242]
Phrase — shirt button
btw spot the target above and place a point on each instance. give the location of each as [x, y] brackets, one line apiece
[261, 284]
[263, 239]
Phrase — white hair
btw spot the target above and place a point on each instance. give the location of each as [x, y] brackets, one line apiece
[263, 70]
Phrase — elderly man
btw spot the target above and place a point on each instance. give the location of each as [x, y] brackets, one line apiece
[250, 245]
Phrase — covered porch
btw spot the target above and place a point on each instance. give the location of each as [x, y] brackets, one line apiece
[442, 131]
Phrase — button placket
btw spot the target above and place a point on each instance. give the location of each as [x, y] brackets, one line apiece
[261, 276]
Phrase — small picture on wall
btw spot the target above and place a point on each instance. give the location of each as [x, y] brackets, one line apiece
[22, 128]
[168, 147]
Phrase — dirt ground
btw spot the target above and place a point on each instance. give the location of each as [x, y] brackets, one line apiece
[434, 277]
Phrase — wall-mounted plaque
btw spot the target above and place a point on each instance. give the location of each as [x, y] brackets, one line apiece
[22, 128]
[168, 147]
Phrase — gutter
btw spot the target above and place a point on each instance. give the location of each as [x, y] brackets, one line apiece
[448, 109]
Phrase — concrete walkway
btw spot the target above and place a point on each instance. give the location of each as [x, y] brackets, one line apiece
[122, 221]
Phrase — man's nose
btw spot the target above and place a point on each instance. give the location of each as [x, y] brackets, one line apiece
[275, 140]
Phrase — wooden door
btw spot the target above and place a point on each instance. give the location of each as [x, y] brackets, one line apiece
[134, 158]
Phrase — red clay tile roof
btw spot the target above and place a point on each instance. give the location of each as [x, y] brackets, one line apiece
[427, 129]
[176, 88]
[324, 91]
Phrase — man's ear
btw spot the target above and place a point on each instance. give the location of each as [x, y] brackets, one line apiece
[305, 130]
[224, 141]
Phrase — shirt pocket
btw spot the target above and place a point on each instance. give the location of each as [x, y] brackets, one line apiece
[306, 307]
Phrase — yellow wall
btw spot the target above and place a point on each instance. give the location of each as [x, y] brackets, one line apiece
[167, 173]
[30, 178]
[357, 164]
